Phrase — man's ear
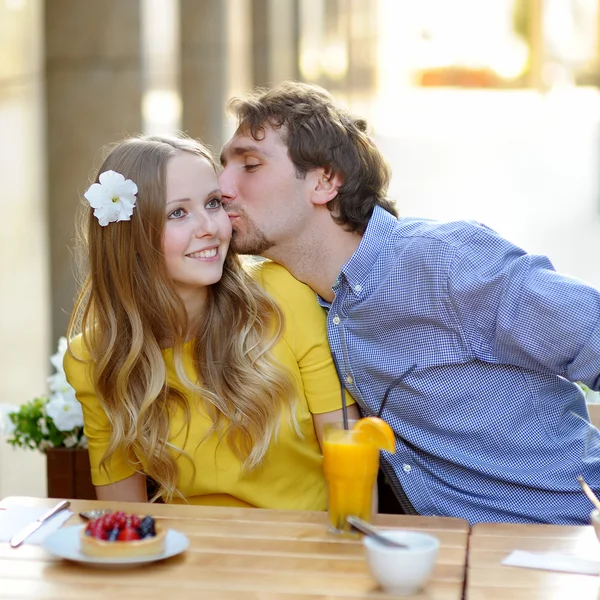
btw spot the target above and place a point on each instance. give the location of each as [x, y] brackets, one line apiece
[326, 186]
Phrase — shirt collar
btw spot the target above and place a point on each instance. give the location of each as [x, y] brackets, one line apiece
[376, 236]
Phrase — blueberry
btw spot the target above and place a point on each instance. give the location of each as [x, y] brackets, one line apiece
[112, 536]
[147, 527]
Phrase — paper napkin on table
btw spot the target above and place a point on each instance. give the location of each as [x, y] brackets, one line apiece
[14, 518]
[552, 561]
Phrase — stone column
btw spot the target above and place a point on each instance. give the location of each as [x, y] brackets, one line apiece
[597, 57]
[260, 42]
[93, 97]
[24, 300]
[275, 41]
[536, 44]
[204, 69]
[363, 31]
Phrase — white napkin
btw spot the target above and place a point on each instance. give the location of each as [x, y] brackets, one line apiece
[14, 518]
[552, 561]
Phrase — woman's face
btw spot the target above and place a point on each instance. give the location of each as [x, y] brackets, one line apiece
[197, 229]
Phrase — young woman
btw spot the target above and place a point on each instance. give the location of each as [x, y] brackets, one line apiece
[213, 381]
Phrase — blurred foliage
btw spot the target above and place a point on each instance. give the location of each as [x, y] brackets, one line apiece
[521, 19]
[34, 429]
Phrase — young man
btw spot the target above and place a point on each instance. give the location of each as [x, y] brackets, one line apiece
[489, 425]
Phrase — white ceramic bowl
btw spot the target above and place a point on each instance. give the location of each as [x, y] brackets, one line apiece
[402, 571]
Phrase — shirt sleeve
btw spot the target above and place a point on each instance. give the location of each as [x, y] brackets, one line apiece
[96, 424]
[306, 334]
[514, 308]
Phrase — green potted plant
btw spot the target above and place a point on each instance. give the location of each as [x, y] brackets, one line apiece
[53, 424]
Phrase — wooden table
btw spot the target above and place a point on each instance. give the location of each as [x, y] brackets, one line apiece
[490, 543]
[234, 554]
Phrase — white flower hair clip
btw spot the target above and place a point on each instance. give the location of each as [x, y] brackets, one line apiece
[113, 199]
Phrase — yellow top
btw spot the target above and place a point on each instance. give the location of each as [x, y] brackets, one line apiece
[291, 474]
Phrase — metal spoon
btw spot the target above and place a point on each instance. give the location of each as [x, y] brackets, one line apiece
[367, 529]
[587, 490]
[90, 515]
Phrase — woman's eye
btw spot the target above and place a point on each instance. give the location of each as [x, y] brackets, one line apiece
[251, 168]
[214, 203]
[178, 213]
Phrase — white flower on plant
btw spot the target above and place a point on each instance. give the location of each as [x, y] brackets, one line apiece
[57, 383]
[6, 425]
[113, 199]
[64, 411]
[37, 418]
[70, 441]
[44, 445]
[58, 358]
[43, 426]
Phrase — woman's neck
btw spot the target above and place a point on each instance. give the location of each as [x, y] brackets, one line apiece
[194, 302]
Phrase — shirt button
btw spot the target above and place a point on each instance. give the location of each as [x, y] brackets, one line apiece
[348, 379]
[336, 320]
[358, 288]
[406, 468]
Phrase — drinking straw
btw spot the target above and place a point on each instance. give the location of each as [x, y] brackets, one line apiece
[588, 492]
[392, 385]
[343, 387]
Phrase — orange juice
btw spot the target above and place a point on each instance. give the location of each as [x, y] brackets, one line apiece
[351, 463]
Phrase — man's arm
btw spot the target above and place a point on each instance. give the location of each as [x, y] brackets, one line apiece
[514, 308]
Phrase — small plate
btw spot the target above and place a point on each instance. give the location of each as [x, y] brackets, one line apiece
[64, 543]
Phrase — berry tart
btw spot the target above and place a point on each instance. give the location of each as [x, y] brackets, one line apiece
[119, 535]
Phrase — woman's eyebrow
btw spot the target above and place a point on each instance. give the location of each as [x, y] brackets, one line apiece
[215, 192]
[178, 200]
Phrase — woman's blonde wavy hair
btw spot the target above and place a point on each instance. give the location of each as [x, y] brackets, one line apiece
[127, 311]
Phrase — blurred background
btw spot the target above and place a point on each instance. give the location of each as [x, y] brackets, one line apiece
[485, 109]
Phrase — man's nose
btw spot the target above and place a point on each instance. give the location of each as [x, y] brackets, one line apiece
[228, 193]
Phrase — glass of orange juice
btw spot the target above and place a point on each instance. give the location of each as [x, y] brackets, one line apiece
[351, 463]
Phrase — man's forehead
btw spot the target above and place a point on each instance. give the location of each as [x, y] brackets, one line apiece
[243, 142]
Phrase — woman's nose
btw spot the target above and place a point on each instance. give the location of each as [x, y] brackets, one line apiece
[206, 225]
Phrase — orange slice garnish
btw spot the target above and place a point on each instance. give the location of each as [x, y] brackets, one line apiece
[378, 432]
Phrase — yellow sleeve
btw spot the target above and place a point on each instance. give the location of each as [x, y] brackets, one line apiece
[96, 424]
[306, 335]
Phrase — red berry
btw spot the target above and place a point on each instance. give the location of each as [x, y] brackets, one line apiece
[98, 531]
[128, 534]
[120, 519]
[133, 521]
[109, 521]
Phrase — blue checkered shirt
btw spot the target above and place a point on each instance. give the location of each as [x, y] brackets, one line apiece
[488, 425]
